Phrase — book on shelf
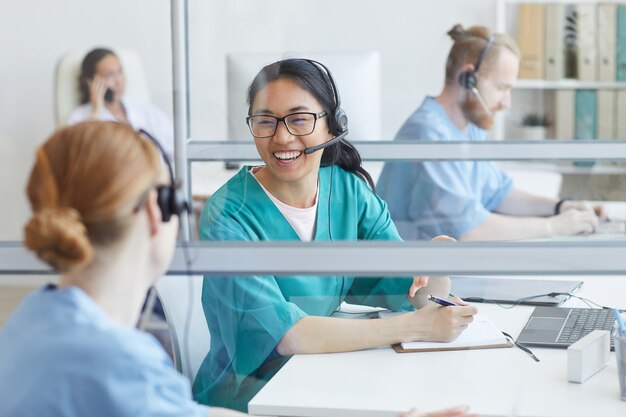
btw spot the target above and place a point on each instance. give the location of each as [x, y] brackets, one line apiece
[620, 44]
[555, 41]
[607, 38]
[531, 40]
[586, 41]
[564, 114]
[606, 114]
[620, 122]
[586, 110]
[585, 119]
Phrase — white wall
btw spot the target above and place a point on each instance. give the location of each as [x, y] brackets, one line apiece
[33, 35]
[410, 35]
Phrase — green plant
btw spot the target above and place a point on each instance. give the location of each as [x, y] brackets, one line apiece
[571, 42]
[535, 119]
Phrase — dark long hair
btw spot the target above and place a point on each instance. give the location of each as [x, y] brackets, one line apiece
[314, 80]
[88, 70]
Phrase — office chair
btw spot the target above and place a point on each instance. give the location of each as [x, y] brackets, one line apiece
[67, 71]
[173, 291]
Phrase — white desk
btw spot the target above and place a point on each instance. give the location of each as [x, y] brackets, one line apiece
[494, 382]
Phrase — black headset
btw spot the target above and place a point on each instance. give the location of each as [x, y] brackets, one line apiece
[468, 79]
[339, 116]
[170, 199]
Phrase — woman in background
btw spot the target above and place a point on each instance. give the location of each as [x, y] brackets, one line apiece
[102, 86]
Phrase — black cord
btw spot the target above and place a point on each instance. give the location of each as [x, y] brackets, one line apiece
[521, 300]
[522, 347]
[583, 299]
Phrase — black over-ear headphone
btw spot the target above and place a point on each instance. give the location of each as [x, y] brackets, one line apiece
[170, 199]
[340, 118]
[468, 79]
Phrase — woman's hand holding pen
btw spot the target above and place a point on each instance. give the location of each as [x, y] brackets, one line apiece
[435, 323]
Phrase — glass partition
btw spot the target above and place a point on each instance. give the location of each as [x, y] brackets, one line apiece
[530, 182]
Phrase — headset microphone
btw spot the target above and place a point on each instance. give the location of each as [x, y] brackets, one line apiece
[469, 79]
[481, 101]
[326, 144]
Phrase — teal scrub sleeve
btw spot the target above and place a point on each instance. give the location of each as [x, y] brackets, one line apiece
[250, 315]
[375, 224]
[247, 316]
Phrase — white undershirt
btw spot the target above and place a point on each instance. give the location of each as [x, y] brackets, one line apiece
[302, 220]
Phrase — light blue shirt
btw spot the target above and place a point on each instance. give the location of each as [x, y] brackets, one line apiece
[60, 356]
[249, 315]
[432, 198]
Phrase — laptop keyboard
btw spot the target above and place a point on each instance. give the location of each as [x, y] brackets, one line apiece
[583, 321]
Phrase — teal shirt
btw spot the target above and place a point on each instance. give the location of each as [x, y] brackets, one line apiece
[248, 316]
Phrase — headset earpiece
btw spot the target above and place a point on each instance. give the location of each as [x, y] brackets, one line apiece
[341, 121]
[469, 79]
[170, 200]
[340, 118]
[163, 200]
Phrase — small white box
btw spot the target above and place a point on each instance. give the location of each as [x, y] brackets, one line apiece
[588, 356]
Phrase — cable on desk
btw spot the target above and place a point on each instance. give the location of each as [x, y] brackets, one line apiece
[521, 300]
[522, 347]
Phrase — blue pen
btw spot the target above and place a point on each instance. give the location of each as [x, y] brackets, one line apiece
[620, 323]
[441, 301]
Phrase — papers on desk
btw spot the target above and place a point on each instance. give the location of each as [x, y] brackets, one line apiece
[355, 311]
[611, 228]
[482, 333]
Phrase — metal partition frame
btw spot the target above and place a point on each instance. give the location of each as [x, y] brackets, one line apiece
[561, 150]
[374, 258]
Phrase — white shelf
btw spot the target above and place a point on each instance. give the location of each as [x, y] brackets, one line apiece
[564, 1]
[568, 85]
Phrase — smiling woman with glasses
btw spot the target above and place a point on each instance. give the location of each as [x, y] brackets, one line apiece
[311, 187]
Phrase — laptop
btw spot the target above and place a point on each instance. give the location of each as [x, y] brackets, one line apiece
[560, 327]
[512, 291]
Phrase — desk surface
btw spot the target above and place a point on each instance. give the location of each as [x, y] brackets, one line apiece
[494, 382]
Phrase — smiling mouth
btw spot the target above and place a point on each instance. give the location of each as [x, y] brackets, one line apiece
[287, 156]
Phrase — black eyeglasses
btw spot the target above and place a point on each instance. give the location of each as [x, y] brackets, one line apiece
[298, 124]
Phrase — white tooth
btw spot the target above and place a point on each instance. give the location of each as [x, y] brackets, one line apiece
[287, 155]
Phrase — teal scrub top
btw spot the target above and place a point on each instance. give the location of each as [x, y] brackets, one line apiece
[248, 316]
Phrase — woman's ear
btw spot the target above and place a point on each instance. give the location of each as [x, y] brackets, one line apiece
[154, 212]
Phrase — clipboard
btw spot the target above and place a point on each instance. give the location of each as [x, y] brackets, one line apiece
[482, 333]
[398, 347]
